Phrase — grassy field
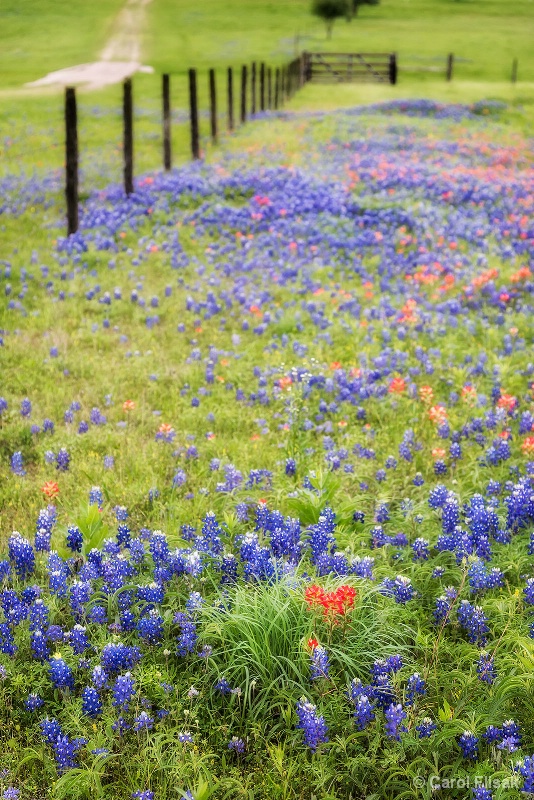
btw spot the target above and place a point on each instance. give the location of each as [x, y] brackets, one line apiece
[485, 35]
[299, 303]
[39, 37]
[42, 35]
[267, 426]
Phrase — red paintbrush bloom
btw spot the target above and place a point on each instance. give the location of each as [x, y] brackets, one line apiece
[50, 489]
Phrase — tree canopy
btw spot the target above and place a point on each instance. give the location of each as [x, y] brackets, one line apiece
[329, 11]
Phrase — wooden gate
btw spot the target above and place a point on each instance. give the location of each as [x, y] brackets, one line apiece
[351, 67]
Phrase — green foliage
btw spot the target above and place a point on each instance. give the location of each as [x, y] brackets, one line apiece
[329, 11]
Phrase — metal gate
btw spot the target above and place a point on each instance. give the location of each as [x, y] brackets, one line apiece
[351, 67]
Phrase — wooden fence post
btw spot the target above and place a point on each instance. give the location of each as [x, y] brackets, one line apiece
[243, 94]
[262, 86]
[167, 155]
[127, 112]
[253, 89]
[71, 160]
[213, 106]
[514, 70]
[230, 98]
[393, 69]
[277, 89]
[193, 114]
[450, 65]
[269, 88]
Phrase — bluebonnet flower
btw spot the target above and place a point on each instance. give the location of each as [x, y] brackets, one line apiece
[311, 723]
[117, 656]
[401, 589]
[383, 692]
[382, 513]
[187, 638]
[17, 464]
[394, 714]
[25, 408]
[39, 645]
[486, 668]
[123, 690]
[97, 614]
[425, 728]
[363, 712]
[152, 592]
[415, 686]
[61, 674]
[146, 795]
[481, 793]
[50, 729]
[74, 538]
[62, 460]
[223, 686]
[236, 745]
[99, 677]
[21, 553]
[11, 793]
[50, 457]
[528, 592]
[469, 745]
[526, 770]
[362, 566]
[150, 628]
[143, 722]
[109, 462]
[473, 620]
[33, 702]
[65, 751]
[185, 737]
[96, 497]
[91, 703]
[290, 467]
[321, 535]
[319, 664]
[420, 549]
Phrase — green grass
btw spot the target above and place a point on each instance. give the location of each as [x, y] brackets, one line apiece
[259, 642]
[485, 35]
[39, 36]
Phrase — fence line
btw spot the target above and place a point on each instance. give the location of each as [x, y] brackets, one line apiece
[262, 88]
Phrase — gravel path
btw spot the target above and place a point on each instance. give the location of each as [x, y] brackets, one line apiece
[120, 58]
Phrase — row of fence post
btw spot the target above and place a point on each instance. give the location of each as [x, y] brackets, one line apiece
[449, 69]
[267, 90]
[256, 95]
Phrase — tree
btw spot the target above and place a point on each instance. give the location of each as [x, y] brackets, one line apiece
[329, 11]
[354, 5]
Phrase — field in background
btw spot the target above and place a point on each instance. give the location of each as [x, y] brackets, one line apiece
[485, 35]
[39, 36]
[43, 35]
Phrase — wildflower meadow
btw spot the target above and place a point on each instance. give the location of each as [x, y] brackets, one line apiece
[267, 468]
